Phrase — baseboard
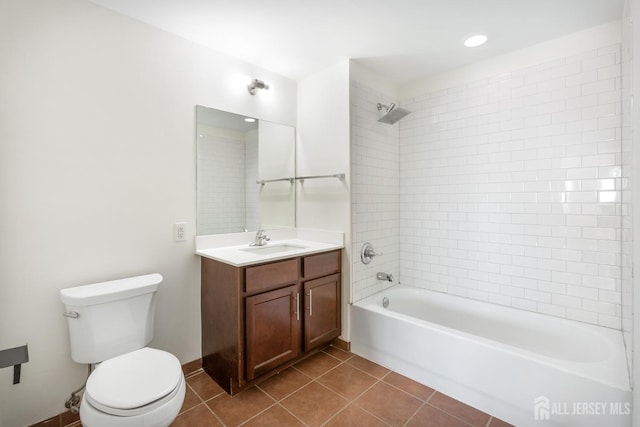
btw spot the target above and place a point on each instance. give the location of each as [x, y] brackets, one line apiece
[341, 344]
[191, 367]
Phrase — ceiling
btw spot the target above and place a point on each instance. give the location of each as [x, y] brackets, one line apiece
[402, 40]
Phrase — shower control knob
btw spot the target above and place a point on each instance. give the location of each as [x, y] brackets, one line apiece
[367, 253]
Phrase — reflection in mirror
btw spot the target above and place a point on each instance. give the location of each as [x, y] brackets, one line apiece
[234, 154]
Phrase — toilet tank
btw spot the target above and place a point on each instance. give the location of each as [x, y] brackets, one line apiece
[110, 318]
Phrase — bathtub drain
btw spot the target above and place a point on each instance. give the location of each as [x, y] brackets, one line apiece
[385, 302]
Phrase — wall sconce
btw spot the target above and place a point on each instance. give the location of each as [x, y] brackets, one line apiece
[257, 84]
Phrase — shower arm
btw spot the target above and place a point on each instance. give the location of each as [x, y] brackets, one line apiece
[387, 108]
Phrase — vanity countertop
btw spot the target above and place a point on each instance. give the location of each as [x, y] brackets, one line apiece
[287, 246]
[242, 255]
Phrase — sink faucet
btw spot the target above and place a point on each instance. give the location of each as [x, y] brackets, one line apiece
[261, 239]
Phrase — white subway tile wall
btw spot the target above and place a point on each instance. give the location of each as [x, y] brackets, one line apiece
[627, 156]
[221, 184]
[375, 154]
[252, 190]
[510, 189]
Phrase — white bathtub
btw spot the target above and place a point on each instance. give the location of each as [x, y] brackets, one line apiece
[525, 368]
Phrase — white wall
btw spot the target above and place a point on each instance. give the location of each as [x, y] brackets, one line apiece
[322, 149]
[513, 181]
[97, 161]
[276, 152]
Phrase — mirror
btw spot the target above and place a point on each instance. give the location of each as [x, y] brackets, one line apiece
[245, 170]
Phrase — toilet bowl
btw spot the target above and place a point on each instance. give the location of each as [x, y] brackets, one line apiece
[143, 388]
[110, 324]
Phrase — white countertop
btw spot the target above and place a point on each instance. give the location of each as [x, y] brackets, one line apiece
[297, 242]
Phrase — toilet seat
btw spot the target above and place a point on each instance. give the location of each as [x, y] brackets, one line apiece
[134, 383]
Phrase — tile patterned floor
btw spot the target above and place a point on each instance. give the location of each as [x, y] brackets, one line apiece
[332, 388]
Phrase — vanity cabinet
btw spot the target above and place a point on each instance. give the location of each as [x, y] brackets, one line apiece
[321, 286]
[272, 330]
[259, 319]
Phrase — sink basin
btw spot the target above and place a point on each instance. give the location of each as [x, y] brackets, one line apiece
[272, 249]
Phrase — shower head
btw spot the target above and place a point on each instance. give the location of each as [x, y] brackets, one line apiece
[392, 114]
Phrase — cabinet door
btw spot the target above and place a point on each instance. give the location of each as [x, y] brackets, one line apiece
[272, 329]
[322, 311]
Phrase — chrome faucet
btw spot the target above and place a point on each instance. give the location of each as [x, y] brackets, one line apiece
[261, 239]
[385, 276]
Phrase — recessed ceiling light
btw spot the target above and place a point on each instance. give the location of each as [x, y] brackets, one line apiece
[249, 120]
[475, 40]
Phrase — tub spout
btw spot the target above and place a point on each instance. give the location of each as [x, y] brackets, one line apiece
[385, 276]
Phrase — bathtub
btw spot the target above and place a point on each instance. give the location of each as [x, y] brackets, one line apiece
[525, 368]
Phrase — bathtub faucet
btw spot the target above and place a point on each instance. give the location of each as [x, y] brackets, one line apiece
[385, 276]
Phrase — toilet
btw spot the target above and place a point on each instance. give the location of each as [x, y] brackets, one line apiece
[110, 324]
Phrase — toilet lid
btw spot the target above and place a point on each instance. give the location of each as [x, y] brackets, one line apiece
[134, 379]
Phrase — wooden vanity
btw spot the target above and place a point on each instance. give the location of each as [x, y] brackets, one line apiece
[261, 318]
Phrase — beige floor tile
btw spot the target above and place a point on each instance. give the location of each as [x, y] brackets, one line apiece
[317, 364]
[347, 381]
[367, 366]
[314, 404]
[204, 386]
[234, 410]
[388, 403]
[283, 384]
[458, 409]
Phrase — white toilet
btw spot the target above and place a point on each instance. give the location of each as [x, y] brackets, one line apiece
[110, 324]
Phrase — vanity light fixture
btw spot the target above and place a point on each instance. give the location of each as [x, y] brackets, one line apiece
[475, 40]
[257, 84]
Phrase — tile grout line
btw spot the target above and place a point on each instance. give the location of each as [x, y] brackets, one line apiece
[202, 401]
[196, 393]
[414, 413]
[277, 402]
[261, 412]
[194, 406]
[377, 381]
[349, 401]
[212, 411]
[407, 392]
[454, 415]
[292, 414]
[341, 362]
[450, 414]
[353, 402]
[424, 401]
[362, 370]
[294, 391]
[193, 373]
